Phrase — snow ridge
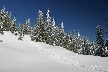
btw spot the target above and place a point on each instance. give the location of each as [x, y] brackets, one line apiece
[65, 60]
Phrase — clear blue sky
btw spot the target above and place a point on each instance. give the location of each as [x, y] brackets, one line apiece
[84, 15]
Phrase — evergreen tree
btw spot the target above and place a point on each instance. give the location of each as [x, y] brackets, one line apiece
[38, 29]
[70, 41]
[75, 42]
[47, 28]
[20, 31]
[53, 33]
[92, 48]
[56, 36]
[27, 27]
[82, 47]
[106, 47]
[78, 41]
[61, 34]
[13, 25]
[100, 51]
[1, 25]
[87, 46]
[5, 19]
[106, 44]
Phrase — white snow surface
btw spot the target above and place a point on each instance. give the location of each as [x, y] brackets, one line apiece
[29, 56]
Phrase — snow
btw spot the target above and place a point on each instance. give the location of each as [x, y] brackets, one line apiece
[29, 56]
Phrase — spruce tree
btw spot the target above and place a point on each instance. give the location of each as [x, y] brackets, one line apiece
[5, 19]
[78, 40]
[87, 46]
[61, 34]
[56, 36]
[53, 33]
[92, 48]
[100, 51]
[75, 42]
[47, 27]
[82, 48]
[13, 25]
[20, 31]
[38, 29]
[28, 27]
[70, 41]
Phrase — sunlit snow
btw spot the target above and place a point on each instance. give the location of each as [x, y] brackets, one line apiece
[29, 56]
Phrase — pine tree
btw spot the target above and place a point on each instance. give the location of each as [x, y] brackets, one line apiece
[100, 51]
[70, 41]
[27, 27]
[106, 47]
[1, 25]
[13, 25]
[78, 40]
[56, 36]
[82, 47]
[53, 33]
[75, 42]
[38, 29]
[106, 44]
[5, 19]
[47, 27]
[61, 34]
[20, 31]
[87, 46]
[92, 48]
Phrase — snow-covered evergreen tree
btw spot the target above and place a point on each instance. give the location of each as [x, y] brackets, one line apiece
[92, 47]
[70, 41]
[53, 33]
[82, 46]
[75, 42]
[27, 27]
[56, 36]
[100, 51]
[61, 34]
[13, 25]
[106, 44]
[67, 41]
[78, 40]
[20, 31]
[87, 46]
[5, 19]
[47, 27]
[38, 29]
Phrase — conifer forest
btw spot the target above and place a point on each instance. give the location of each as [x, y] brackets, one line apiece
[46, 31]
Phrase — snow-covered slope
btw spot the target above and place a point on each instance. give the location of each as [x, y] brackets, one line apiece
[28, 56]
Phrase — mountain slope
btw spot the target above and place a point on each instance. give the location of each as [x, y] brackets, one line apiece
[28, 56]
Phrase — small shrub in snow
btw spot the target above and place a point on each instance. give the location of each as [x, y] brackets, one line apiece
[20, 38]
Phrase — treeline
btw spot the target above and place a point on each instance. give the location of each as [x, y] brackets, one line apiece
[45, 30]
